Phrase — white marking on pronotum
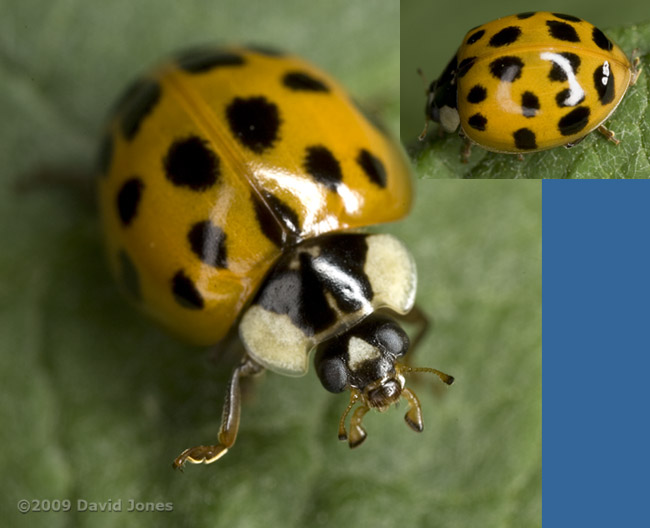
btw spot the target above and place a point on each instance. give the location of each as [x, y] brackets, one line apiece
[605, 78]
[576, 93]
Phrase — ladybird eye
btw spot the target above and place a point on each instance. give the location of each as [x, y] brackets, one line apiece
[393, 339]
[333, 375]
[330, 369]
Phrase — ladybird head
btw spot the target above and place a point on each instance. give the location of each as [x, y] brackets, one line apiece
[365, 360]
[441, 104]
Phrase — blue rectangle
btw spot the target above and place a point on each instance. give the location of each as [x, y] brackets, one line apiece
[596, 353]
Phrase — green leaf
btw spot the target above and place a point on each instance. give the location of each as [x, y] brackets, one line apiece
[98, 401]
[595, 157]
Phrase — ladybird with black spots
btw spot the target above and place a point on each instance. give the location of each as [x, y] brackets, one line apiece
[531, 82]
[233, 186]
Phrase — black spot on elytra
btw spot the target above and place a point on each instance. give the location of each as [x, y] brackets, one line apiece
[255, 122]
[507, 68]
[604, 83]
[321, 165]
[570, 18]
[477, 94]
[105, 154]
[128, 199]
[561, 98]
[201, 60]
[465, 65]
[506, 36]
[372, 167]
[136, 105]
[601, 40]
[303, 82]
[557, 73]
[475, 37]
[128, 275]
[190, 162]
[523, 16]
[574, 121]
[185, 292]
[278, 221]
[477, 122]
[208, 242]
[562, 31]
[525, 139]
[529, 104]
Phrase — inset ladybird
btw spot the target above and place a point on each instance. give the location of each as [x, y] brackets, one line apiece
[531, 82]
[233, 184]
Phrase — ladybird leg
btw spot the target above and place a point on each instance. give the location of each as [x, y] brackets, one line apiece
[466, 150]
[229, 420]
[425, 130]
[357, 432]
[355, 394]
[609, 134]
[413, 416]
[636, 71]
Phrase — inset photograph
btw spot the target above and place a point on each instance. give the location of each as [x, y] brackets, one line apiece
[493, 92]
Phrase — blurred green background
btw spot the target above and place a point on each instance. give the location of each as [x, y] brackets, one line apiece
[97, 401]
[432, 31]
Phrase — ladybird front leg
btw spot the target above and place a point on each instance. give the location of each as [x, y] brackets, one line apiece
[229, 420]
[413, 416]
[466, 150]
[636, 71]
[357, 432]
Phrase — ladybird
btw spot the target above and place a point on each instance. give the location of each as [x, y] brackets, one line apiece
[233, 183]
[531, 82]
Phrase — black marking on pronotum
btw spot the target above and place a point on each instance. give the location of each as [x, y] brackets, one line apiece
[525, 139]
[604, 83]
[297, 286]
[507, 68]
[505, 37]
[254, 121]
[185, 292]
[191, 163]
[574, 121]
[208, 243]
[128, 199]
